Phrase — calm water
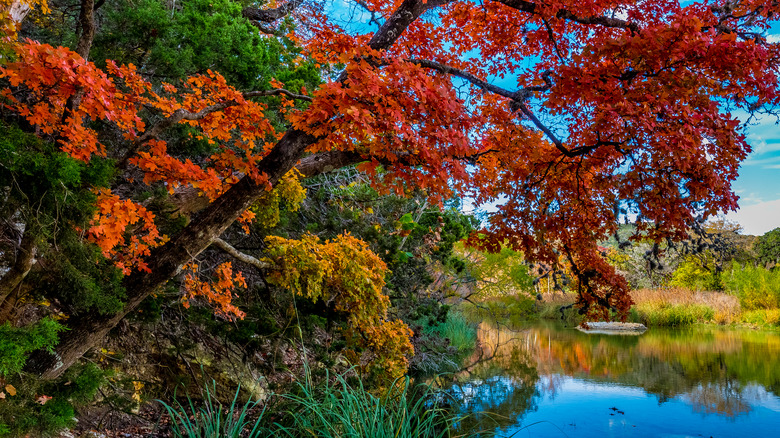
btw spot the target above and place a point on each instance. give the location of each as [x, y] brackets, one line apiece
[550, 381]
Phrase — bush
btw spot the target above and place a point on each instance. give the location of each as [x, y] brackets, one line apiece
[692, 274]
[755, 286]
[44, 408]
[16, 343]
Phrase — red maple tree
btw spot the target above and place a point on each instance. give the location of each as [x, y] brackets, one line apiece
[560, 112]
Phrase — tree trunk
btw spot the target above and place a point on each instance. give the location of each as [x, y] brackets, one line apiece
[166, 261]
[18, 10]
[25, 259]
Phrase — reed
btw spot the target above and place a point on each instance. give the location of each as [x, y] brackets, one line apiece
[682, 306]
[461, 333]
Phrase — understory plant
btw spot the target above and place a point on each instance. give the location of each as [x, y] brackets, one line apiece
[344, 410]
[214, 420]
[335, 408]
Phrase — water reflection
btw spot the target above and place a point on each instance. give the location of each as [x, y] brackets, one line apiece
[621, 384]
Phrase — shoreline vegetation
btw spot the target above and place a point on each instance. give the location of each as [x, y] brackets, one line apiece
[662, 307]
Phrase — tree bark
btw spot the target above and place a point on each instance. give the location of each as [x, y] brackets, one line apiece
[18, 11]
[25, 259]
[165, 262]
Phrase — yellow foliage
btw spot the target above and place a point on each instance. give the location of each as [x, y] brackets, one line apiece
[346, 271]
[289, 190]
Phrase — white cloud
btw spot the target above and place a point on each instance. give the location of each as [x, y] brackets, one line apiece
[759, 218]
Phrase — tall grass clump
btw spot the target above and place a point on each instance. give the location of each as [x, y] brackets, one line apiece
[755, 286]
[341, 410]
[682, 306]
[214, 420]
[665, 314]
[461, 333]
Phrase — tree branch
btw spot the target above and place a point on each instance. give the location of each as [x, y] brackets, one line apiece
[564, 14]
[374, 13]
[277, 92]
[238, 255]
[25, 259]
[182, 114]
[86, 28]
[271, 15]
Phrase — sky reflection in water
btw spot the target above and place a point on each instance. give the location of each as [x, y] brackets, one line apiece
[548, 381]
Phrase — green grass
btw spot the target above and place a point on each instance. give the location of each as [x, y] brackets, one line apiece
[214, 420]
[461, 333]
[666, 314]
[768, 318]
[335, 408]
[351, 411]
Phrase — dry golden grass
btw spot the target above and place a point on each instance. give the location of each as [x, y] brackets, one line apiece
[726, 307]
[558, 298]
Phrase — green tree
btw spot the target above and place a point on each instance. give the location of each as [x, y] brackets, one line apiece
[767, 248]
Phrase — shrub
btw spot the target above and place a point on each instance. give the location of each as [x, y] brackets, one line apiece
[696, 274]
[44, 408]
[16, 343]
[755, 286]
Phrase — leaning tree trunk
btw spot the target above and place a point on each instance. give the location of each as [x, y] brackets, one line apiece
[166, 261]
[25, 259]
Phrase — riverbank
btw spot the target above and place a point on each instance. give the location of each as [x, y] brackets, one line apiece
[669, 307]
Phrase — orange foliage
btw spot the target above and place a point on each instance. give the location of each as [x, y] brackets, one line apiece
[109, 231]
[612, 104]
[49, 77]
[218, 293]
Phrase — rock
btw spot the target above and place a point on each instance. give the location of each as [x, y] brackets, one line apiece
[612, 328]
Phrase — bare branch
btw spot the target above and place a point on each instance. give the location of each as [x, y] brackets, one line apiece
[276, 92]
[271, 15]
[564, 14]
[373, 19]
[246, 258]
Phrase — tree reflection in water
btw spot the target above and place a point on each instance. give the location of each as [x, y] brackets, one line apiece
[715, 372]
[498, 384]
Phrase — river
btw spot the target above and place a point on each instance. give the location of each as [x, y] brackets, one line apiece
[546, 380]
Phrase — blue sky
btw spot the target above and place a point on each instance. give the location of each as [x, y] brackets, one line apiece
[758, 185]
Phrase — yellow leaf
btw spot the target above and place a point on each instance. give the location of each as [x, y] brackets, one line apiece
[11, 390]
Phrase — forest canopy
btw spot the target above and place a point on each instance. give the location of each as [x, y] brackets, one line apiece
[132, 146]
